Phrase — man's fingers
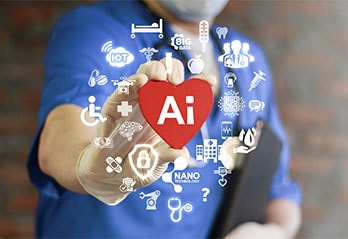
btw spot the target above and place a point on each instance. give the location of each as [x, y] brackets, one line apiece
[171, 70]
[154, 70]
[168, 154]
[175, 70]
[128, 89]
[131, 85]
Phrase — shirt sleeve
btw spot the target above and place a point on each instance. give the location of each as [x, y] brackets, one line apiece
[282, 185]
[73, 52]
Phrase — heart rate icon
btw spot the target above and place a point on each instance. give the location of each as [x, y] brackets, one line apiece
[176, 113]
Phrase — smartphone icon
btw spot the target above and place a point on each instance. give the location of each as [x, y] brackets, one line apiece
[226, 129]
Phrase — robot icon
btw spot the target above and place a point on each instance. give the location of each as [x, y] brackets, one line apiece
[152, 199]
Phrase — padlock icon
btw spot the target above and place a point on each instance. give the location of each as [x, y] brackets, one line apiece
[143, 160]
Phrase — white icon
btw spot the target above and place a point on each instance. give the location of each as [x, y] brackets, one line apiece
[236, 59]
[152, 199]
[123, 85]
[153, 28]
[204, 34]
[171, 110]
[114, 164]
[180, 163]
[257, 79]
[222, 32]
[128, 128]
[245, 50]
[180, 42]
[127, 185]
[231, 103]
[92, 112]
[148, 52]
[117, 82]
[222, 172]
[240, 56]
[256, 105]
[124, 108]
[103, 142]
[96, 78]
[174, 205]
[206, 192]
[196, 65]
[169, 62]
[199, 152]
[118, 57]
[227, 51]
[249, 141]
[107, 47]
[186, 177]
[143, 160]
[226, 129]
[230, 78]
[210, 150]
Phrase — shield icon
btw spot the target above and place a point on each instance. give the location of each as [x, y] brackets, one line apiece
[143, 160]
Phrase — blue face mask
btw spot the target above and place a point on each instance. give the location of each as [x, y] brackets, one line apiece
[194, 10]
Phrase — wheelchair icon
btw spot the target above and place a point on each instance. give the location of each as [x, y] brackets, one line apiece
[91, 109]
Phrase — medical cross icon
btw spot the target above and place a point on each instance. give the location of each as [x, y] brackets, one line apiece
[124, 108]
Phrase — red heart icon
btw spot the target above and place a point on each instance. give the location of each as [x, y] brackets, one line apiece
[176, 113]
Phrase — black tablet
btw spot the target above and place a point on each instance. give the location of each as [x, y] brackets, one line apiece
[247, 191]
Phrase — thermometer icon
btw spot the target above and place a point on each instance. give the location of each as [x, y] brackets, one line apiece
[204, 34]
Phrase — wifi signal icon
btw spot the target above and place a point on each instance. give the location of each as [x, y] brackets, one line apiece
[107, 47]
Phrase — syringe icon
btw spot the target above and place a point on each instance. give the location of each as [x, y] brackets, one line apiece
[257, 79]
[204, 34]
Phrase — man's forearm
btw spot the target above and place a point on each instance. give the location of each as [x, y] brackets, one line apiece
[62, 139]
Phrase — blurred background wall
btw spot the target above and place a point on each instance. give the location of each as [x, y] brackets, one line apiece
[307, 45]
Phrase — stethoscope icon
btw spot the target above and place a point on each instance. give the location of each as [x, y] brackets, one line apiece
[174, 204]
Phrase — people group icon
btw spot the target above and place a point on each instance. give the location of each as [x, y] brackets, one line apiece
[92, 111]
[239, 57]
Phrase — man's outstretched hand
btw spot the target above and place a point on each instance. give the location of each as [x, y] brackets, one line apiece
[107, 173]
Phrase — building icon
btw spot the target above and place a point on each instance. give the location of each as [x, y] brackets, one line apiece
[199, 152]
[210, 150]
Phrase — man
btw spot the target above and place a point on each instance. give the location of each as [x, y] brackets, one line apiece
[82, 165]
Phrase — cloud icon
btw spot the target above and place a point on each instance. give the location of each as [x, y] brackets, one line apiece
[119, 57]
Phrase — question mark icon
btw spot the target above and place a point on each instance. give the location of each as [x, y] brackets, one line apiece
[205, 191]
